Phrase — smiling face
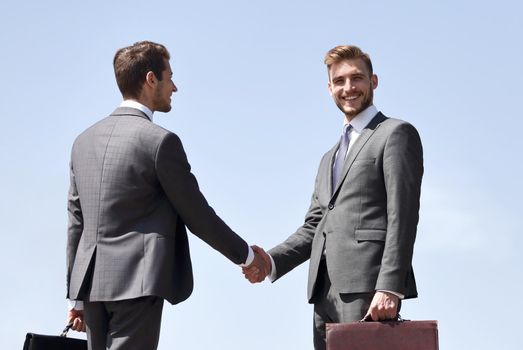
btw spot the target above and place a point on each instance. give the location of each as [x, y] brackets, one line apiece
[351, 85]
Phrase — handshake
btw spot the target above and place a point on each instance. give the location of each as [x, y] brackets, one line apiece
[260, 267]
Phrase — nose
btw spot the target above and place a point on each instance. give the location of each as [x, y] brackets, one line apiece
[349, 85]
[174, 87]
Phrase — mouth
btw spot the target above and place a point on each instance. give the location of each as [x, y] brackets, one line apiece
[351, 98]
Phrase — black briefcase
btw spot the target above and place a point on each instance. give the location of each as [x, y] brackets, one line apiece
[53, 342]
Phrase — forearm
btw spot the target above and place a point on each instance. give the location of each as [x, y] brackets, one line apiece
[182, 190]
[292, 252]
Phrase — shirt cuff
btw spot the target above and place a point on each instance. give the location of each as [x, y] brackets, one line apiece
[75, 304]
[272, 275]
[250, 258]
[399, 295]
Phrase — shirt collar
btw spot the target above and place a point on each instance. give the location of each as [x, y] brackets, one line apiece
[362, 119]
[138, 106]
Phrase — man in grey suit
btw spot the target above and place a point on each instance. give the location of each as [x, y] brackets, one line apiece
[131, 197]
[360, 229]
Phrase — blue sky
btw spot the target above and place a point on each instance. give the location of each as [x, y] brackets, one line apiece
[255, 117]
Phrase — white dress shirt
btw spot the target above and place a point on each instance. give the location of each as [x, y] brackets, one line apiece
[137, 105]
[358, 123]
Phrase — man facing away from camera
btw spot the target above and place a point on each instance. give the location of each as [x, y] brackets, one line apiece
[131, 197]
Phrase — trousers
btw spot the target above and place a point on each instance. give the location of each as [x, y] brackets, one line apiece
[132, 324]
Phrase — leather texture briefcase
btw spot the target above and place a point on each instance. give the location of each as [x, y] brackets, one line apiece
[53, 342]
[387, 335]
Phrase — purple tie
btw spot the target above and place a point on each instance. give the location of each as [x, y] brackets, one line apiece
[340, 158]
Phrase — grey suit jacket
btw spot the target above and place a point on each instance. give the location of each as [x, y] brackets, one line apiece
[132, 194]
[367, 224]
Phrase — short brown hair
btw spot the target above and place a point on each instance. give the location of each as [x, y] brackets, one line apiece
[347, 52]
[132, 63]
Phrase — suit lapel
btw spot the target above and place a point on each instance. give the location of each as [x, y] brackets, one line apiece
[332, 158]
[366, 134]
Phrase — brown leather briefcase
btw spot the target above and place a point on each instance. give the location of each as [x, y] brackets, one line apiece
[388, 335]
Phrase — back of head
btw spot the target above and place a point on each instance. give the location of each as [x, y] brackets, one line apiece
[347, 52]
[132, 63]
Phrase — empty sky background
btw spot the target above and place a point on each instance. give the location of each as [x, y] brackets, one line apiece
[255, 117]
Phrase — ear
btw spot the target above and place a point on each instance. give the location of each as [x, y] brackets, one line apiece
[374, 81]
[329, 87]
[150, 79]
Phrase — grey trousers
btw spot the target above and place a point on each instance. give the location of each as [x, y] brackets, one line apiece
[132, 324]
[333, 307]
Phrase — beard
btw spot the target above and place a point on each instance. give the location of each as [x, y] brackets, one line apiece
[352, 112]
[162, 103]
[166, 107]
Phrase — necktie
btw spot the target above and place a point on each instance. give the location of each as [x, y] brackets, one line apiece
[340, 158]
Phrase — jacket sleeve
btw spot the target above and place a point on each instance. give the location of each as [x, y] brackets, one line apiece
[181, 187]
[403, 171]
[296, 249]
[75, 225]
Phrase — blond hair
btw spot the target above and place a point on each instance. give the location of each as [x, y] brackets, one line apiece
[347, 52]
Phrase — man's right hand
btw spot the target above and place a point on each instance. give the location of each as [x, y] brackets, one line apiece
[260, 267]
[76, 318]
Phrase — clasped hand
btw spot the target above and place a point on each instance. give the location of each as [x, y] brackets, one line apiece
[260, 267]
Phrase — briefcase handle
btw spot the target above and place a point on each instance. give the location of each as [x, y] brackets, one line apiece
[66, 329]
[397, 319]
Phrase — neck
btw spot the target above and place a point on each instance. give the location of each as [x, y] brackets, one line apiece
[348, 118]
[146, 102]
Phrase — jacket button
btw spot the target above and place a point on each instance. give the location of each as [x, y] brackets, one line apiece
[331, 206]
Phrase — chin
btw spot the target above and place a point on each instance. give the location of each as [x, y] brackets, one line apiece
[165, 109]
[352, 111]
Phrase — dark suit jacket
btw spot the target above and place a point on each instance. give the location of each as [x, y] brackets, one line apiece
[132, 194]
[367, 224]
